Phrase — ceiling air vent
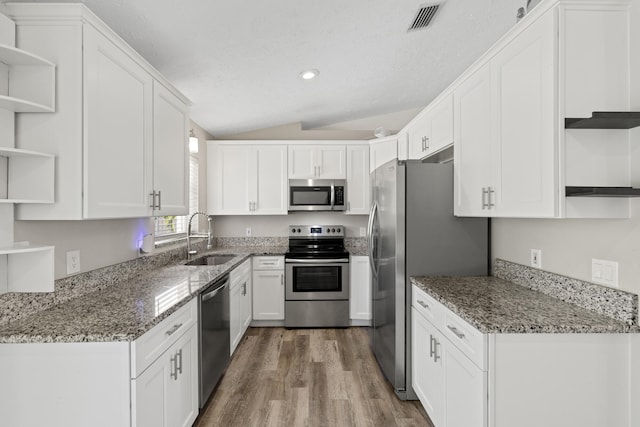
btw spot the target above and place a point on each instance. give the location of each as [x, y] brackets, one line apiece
[423, 17]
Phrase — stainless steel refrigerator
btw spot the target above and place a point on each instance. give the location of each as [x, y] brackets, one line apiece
[412, 232]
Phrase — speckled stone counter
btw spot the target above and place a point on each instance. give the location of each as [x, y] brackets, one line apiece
[125, 310]
[356, 246]
[494, 305]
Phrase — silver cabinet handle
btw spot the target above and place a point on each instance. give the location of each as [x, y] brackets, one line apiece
[490, 193]
[244, 288]
[456, 331]
[159, 200]
[430, 346]
[173, 374]
[173, 329]
[435, 350]
[422, 303]
[153, 200]
[178, 363]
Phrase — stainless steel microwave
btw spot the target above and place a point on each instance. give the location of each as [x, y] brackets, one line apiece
[317, 194]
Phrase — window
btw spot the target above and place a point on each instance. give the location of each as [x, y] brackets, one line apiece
[176, 226]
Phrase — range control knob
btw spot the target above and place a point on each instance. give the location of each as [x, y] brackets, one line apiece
[298, 230]
[333, 230]
[338, 230]
[293, 230]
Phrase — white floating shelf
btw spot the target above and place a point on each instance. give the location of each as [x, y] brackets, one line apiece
[31, 82]
[13, 56]
[23, 106]
[30, 176]
[29, 268]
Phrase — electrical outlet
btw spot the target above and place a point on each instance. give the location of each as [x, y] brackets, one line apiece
[73, 262]
[604, 272]
[247, 231]
[363, 231]
[536, 258]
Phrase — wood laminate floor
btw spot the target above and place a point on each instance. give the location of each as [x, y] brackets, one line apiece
[307, 377]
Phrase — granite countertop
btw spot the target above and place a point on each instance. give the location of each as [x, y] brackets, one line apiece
[124, 311]
[494, 305]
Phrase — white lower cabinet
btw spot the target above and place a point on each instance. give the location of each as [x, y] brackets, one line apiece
[240, 302]
[166, 393]
[152, 381]
[465, 378]
[360, 289]
[268, 288]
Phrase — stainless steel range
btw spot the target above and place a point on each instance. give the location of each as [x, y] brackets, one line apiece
[316, 277]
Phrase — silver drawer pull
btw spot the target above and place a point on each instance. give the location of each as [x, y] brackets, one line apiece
[173, 329]
[456, 331]
[424, 304]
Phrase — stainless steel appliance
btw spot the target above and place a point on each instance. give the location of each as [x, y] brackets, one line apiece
[215, 346]
[317, 194]
[412, 231]
[316, 277]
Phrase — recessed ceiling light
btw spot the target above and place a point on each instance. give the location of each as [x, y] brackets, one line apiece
[309, 74]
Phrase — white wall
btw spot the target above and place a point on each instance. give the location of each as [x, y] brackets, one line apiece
[100, 242]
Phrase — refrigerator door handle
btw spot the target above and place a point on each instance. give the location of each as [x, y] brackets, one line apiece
[372, 216]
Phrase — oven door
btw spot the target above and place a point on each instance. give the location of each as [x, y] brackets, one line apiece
[308, 279]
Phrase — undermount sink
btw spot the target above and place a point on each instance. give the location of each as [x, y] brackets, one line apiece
[211, 260]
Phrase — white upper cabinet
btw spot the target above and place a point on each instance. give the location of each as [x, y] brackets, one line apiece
[170, 152]
[432, 129]
[118, 102]
[474, 151]
[383, 150]
[513, 156]
[317, 161]
[358, 192]
[246, 179]
[505, 145]
[114, 120]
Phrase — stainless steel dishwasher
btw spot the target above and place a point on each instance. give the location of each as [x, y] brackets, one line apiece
[214, 335]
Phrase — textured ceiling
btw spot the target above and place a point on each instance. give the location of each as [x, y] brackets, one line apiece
[238, 60]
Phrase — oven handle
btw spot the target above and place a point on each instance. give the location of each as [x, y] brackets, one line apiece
[316, 261]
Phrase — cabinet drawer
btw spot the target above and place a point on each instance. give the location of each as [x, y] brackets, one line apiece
[468, 339]
[240, 274]
[153, 343]
[431, 309]
[268, 263]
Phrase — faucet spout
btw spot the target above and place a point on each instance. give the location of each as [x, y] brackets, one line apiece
[190, 235]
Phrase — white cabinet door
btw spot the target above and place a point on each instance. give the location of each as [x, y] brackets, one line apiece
[331, 162]
[360, 291]
[235, 323]
[419, 136]
[384, 150]
[271, 180]
[427, 373]
[358, 192]
[465, 394]
[524, 75]
[268, 295]
[473, 158]
[441, 124]
[232, 170]
[166, 393]
[246, 303]
[317, 162]
[118, 100]
[302, 162]
[170, 152]
[247, 179]
[182, 390]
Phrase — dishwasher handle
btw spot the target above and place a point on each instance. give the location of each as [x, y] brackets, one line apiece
[216, 291]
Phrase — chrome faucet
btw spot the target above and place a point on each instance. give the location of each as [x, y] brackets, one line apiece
[209, 234]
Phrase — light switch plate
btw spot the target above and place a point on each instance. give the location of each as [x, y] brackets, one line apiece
[604, 272]
[248, 231]
[73, 262]
[363, 231]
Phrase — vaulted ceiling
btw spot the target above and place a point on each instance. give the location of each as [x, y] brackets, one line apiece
[238, 61]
